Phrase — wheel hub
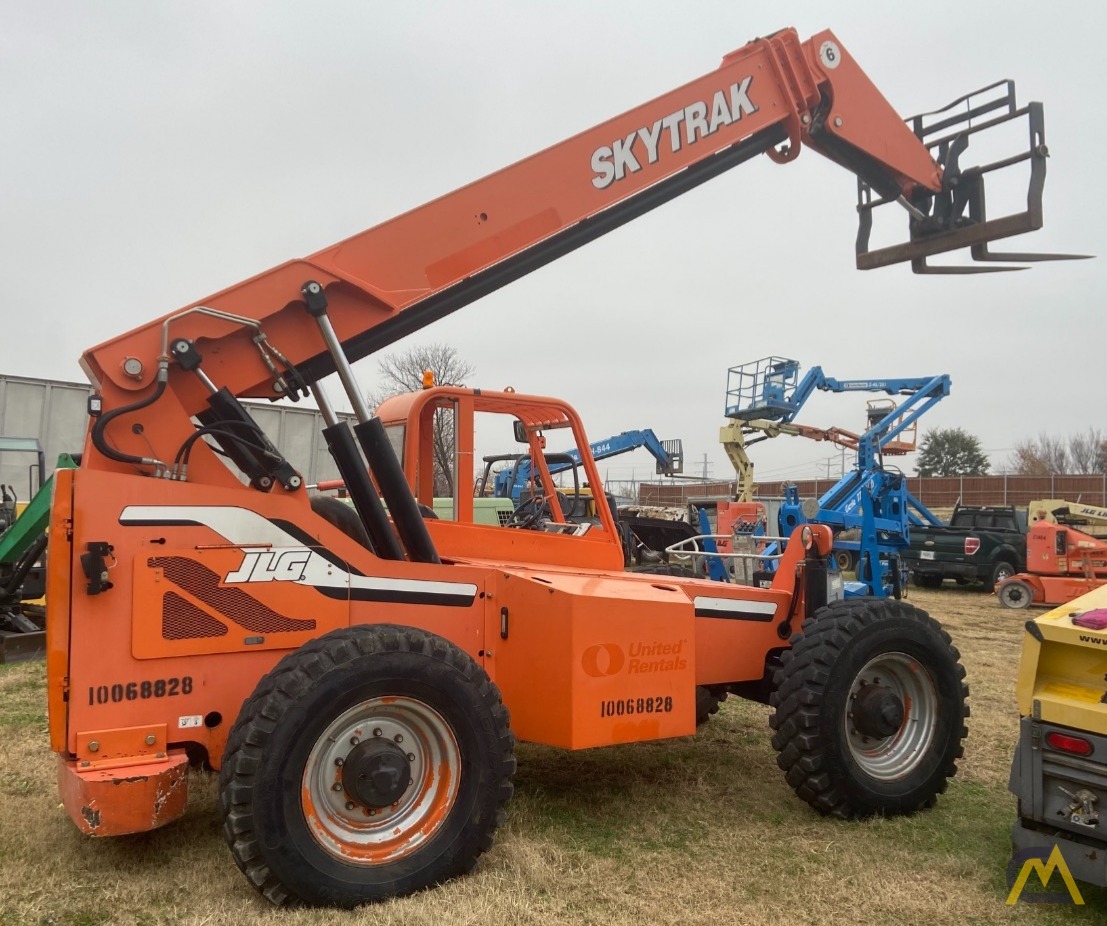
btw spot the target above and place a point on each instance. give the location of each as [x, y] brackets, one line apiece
[878, 711]
[380, 779]
[376, 773]
[891, 716]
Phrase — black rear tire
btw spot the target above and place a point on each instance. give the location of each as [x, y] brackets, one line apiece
[379, 700]
[924, 580]
[708, 702]
[870, 708]
[341, 516]
[1002, 571]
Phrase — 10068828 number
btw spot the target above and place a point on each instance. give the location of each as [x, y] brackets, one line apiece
[622, 707]
[140, 691]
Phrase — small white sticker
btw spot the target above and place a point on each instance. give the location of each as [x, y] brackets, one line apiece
[192, 720]
[830, 55]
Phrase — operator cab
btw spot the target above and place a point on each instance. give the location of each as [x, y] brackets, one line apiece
[534, 505]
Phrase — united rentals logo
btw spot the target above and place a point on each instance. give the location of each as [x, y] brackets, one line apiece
[1032, 863]
[699, 120]
[656, 657]
[603, 659]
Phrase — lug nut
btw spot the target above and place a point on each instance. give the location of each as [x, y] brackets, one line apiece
[411, 757]
[377, 731]
[337, 786]
[340, 761]
[350, 805]
[399, 737]
[354, 740]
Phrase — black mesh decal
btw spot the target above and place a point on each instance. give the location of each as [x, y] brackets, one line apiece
[233, 603]
[182, 620]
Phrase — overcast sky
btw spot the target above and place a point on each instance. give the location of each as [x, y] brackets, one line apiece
[157, 152]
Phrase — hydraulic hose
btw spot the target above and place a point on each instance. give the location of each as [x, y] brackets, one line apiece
[100, 442]
[24, 564]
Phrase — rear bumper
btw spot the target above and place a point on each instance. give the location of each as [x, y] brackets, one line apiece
[1046, 781]
[929, 567]
[1086, 859]
[124, 798]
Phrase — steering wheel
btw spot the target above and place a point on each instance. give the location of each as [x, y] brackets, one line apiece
[528, 515]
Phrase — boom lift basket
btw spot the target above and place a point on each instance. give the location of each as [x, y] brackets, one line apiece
[957, 218]
[761, 388]
[675, 450]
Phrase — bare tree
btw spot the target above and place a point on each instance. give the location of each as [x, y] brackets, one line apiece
[1086, 451]
[1027, 460]
[403, 372]
[1047, 455]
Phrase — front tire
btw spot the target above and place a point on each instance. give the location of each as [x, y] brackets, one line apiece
[372, 762]
[869, 709]
[1015, 594]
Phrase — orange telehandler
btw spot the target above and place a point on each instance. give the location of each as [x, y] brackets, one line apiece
[350, 672]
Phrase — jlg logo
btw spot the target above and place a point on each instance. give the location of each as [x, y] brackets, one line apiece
[271, 566]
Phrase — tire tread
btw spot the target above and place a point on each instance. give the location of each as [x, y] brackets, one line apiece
[288, 681]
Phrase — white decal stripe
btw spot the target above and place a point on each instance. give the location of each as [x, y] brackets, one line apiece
[737, 605]
[240, 526]
[250, 530]
[414, 585]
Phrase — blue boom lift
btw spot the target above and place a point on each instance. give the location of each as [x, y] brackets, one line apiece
[511, 481]
[763, 398]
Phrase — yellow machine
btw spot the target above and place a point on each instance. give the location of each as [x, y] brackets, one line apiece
[1059, 772]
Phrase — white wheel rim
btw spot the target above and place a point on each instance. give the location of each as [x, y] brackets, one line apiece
[353, 832]
[892, 757]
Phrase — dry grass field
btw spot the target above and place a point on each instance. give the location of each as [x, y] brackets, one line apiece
[702, 830]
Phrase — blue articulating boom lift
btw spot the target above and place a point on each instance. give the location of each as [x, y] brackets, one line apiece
[669, 454]
[764, 397]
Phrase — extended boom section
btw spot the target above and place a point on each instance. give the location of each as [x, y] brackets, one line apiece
[774, 95]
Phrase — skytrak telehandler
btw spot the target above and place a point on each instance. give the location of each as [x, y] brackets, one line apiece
[350, 674]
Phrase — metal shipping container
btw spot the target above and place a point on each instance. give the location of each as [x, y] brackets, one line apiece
[56, 413]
